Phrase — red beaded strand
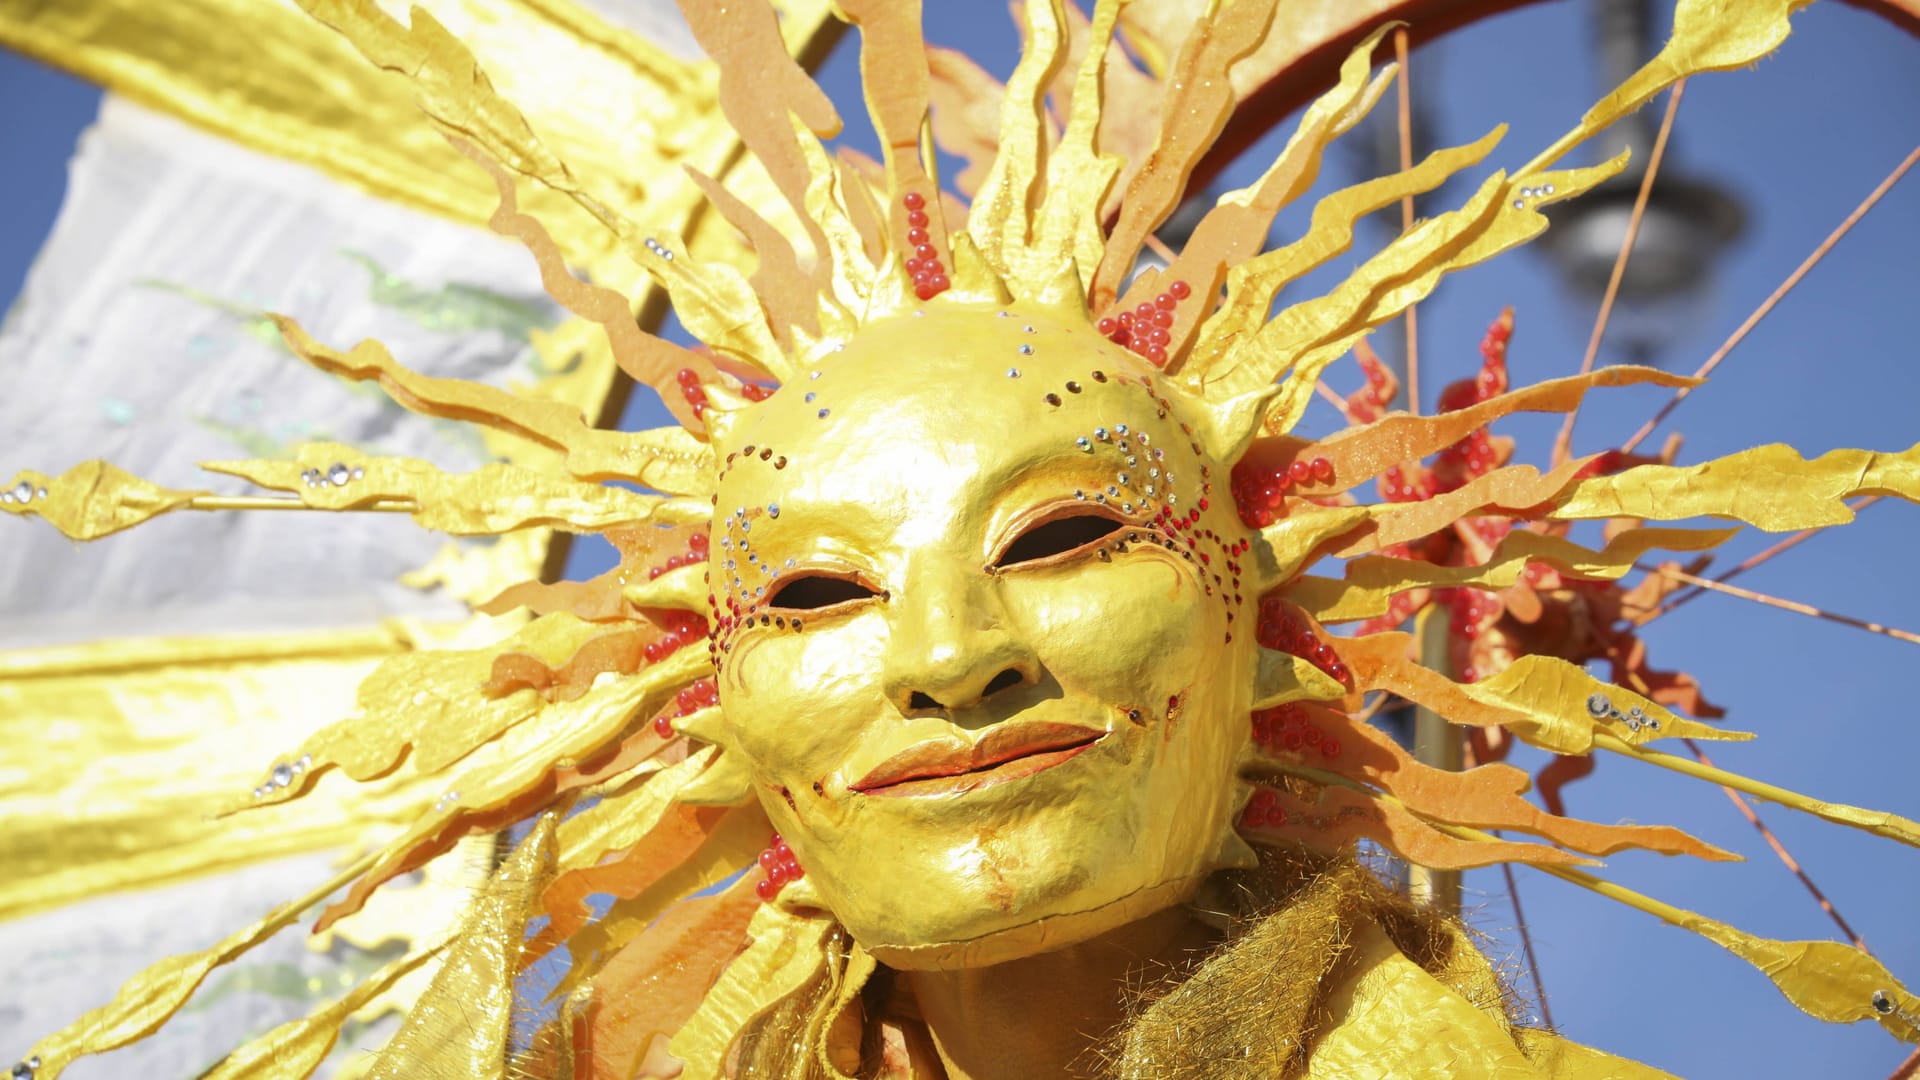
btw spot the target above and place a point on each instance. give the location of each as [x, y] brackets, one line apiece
[695, 554]
[1288, 728]
[1263, 810]
[691, 389]
[1281, 629]
[1369, 403]
[1146, 330]
[779, 867]
[1477, 454]
[924, 266]
[1260, 492]
[696, 395]
[690, 700]
[682, 627]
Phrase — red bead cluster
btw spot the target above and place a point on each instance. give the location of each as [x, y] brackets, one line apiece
[1369, 403]
[683, 628]
[1259, 491]
[1280, 628]
[778, 863]
[1263, 810]
[1147, 329]
[1470, 611]
[1491, 381]
[690, 700]
[1286, 727]
[691, 389]
[1401, 484]
[1471, 457]
[929, 276]
[1400, 606]
[695, 554]
[1475, 455]
[696, 394]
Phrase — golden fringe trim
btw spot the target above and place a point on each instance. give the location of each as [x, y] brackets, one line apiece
[1258, 1005]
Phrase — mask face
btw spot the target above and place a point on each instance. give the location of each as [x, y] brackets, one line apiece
[979, 636]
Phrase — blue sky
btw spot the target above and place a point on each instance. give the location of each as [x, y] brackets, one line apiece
[1798, 140]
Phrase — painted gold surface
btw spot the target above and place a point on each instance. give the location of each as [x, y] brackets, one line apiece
[624, 114]
[276, 80]
[1769, 487]
[91, 500]
[159, 708]
[783, 954]
[1127, 647]
[1369, 583]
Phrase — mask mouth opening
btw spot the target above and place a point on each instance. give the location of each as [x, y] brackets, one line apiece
[1008, 752]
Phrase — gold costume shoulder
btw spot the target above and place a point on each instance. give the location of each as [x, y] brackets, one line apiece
[1346, 979]
[1394, 1019]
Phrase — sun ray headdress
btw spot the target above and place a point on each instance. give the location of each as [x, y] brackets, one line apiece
[599, 720]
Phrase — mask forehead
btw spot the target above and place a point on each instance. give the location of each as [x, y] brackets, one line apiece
[923, 420]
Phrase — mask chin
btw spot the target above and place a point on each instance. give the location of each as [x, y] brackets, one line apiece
[1042, 935]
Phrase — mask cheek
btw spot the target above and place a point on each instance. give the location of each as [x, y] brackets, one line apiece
[1142, 634]
[802, 705]
[1132, 631]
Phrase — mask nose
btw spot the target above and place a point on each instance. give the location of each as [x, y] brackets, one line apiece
[1006, 680]
[951, 647]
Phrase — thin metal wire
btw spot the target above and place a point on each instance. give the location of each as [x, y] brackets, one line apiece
[1472, 760]
[1780, 849]
[1159, 247]
[1780, 293]
[1751, 562]
[1794, 606]
[1563, 443]
[1753, 817]
[1406, 212]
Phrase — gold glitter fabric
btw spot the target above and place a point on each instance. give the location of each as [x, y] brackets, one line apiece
[1341, 976]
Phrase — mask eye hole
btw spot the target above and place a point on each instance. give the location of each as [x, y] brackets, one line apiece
[811, 592]
[1059, 537]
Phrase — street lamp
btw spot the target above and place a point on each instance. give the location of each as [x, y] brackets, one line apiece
[1688, 220]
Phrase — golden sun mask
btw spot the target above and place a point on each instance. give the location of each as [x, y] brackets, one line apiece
[976, 635]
